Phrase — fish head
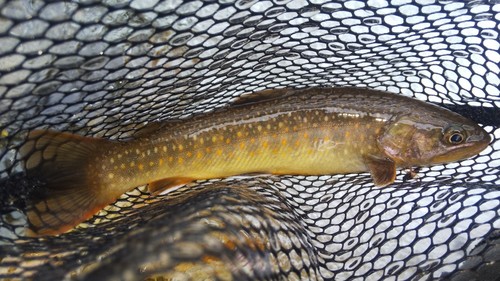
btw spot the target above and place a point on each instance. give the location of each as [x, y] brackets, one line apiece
[432, 137]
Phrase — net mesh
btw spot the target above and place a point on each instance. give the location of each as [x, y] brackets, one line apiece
[107, 68]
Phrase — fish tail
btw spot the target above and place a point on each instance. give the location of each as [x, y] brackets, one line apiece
[67, 195]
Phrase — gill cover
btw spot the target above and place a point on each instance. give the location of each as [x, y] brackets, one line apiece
[409, 142]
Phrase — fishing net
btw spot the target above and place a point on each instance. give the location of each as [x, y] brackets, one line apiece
[107, 68]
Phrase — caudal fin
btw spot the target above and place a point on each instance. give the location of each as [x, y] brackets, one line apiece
[67, 195]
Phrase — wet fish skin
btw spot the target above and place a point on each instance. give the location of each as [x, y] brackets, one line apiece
[313, 131]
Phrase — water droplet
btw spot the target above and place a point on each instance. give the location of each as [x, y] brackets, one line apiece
[336, 46]
[460, 54]
[339, 30]
[372, 21]
[483, 17]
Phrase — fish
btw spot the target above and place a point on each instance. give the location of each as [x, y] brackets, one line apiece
[290, 131]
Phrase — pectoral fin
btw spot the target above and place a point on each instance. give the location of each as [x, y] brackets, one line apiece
[156, 187]
[383, 170]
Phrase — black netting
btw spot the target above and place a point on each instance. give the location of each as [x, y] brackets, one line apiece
[105, 69]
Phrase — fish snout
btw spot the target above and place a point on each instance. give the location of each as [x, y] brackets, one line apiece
[478, 138]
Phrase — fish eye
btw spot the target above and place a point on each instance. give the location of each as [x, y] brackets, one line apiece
[454, 135]
[456, 138]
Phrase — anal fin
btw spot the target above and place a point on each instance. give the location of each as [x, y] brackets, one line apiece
[383, 170]
[157, 187]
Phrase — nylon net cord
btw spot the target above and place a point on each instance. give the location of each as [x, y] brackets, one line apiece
[107, 68]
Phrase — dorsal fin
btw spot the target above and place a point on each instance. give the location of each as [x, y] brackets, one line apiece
[265, 95]
[153, 127]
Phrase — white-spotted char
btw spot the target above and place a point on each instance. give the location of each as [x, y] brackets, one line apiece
[313, 131]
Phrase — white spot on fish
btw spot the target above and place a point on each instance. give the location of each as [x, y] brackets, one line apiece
[351, 115]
